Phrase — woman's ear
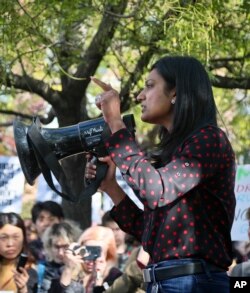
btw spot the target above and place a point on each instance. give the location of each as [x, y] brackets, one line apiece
[173, 96]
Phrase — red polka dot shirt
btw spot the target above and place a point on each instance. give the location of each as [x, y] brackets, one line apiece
[189, 203]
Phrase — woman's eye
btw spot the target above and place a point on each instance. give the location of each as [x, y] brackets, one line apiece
[149, 85]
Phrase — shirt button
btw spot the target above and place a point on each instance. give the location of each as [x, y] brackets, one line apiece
[178, 174]
[186, 164]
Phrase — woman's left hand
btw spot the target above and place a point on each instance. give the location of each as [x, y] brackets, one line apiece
[109, 103]
[21, 279]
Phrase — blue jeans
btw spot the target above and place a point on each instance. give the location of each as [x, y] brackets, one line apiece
[207, 282]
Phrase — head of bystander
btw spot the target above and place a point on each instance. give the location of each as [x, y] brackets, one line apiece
[44, 214]
[12, 245]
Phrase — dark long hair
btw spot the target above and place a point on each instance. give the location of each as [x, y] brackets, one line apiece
[15, 220]
[194, 106]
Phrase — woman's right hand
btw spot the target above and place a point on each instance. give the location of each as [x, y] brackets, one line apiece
[72, 264]
[109, 180]
[71, 258]
[21, 278]
[109, 183]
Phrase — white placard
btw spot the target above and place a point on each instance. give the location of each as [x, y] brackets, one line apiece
[242, 193]
[11, 185]
[44, 192]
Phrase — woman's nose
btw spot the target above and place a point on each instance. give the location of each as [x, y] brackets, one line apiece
[140, 96]
[10, 243]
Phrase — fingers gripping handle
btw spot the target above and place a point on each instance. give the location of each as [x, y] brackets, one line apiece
[92, 185]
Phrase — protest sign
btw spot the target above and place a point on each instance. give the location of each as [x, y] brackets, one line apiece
[242, 194]
[44, 192]
[11, 184]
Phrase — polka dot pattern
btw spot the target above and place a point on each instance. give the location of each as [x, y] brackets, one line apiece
[188, 204]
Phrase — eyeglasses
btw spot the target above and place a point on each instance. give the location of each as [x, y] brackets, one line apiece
[58, 247]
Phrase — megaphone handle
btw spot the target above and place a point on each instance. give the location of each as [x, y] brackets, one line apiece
[92, 185]
[94, 161]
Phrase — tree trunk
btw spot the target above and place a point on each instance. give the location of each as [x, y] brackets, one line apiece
[79, 212]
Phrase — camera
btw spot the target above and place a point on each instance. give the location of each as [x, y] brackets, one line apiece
[88, 252]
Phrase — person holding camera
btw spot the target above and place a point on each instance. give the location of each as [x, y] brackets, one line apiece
[186, 184]
[14, 276]
[44, 214]
[56, 240]
[96, 252]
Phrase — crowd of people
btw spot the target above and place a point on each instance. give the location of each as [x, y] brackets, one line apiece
[60, 266]
[185, 184]
[61, 257]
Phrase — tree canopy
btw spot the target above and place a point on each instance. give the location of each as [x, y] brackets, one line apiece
[50, 48]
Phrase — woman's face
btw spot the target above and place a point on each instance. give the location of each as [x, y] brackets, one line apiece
[156, 100]
[11, 241]
[58, 247]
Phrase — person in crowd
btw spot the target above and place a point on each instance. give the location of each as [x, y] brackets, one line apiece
[96, 271]
[12, 244]
[131, 281]
[56, 240]
[186, 183]
[123, 248]
[44, 214]
[239, 251]
[31, 233]
[242, 269]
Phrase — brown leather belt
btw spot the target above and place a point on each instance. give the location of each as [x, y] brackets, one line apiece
[163, 273]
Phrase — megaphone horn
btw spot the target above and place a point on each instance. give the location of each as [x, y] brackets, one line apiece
[40, 148]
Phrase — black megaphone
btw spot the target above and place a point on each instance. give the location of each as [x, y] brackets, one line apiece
[40, 149]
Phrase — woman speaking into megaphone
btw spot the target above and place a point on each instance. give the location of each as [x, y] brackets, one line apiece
[186, 185]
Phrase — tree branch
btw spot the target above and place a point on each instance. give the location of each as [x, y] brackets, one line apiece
[99, 45]
[228, 63]
[146, 57]
[33, 85]
[134, 77]
[131, 15]
[44, 120]
[17, 114]
[231, 83]
[6, 124]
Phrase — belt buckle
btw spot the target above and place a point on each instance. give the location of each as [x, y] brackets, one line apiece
[146, 275]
